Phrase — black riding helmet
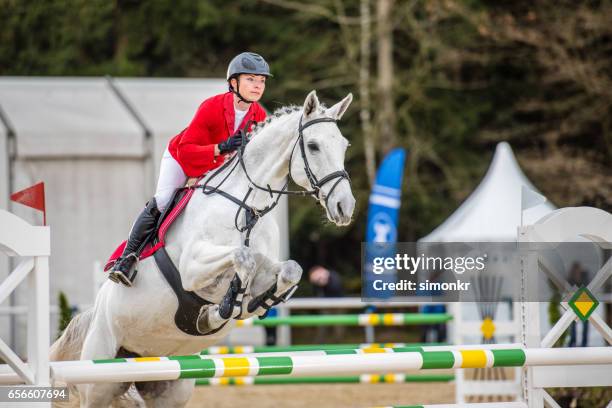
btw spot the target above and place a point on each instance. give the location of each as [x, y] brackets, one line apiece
[246, 63]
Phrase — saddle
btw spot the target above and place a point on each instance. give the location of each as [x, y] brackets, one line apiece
[190, 304]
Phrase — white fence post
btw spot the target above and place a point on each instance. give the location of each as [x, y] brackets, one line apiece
[563, 225]
[18, 238]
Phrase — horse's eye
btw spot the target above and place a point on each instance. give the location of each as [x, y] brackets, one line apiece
[313, 147]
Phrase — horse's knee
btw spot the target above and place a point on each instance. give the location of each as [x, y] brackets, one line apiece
[244, 261]
[287, 278]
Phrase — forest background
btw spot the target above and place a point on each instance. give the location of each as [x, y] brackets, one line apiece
[445, 79]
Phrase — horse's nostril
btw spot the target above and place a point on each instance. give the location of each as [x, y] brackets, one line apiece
[340, 212]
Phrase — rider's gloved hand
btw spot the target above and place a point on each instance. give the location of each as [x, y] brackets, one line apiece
[231, 144]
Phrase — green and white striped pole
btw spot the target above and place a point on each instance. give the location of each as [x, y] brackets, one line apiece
[306, 347]
[366, 319]
[351, 362]
[349, 379]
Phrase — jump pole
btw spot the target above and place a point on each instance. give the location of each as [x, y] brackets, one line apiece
[366, 319]
[8, 376]
[173, 368]
[306, 347]
[350, 379]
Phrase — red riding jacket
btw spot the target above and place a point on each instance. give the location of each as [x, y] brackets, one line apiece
[194, 147]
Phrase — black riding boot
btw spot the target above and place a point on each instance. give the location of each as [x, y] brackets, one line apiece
[123, 271]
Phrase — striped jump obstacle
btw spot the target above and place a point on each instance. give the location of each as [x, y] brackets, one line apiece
[306, 347]
[354, 379]
[339, 362]
[366, 319]
[347, 379]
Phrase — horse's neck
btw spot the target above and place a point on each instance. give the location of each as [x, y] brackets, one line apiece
[266, 159]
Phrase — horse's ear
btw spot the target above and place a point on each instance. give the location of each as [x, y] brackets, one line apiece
[338, 109]
[311, 104]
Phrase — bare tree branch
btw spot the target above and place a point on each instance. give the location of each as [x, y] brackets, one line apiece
[348, 42]
[314, 9]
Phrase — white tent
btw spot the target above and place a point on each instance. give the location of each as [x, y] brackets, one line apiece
[493, 211]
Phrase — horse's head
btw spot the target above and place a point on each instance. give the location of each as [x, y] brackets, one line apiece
[317, 161]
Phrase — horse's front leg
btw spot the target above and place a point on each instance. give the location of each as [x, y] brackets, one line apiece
[273, 282]
[203, 266]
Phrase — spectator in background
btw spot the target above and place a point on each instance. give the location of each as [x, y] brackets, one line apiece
[326, 283]
[579, 277]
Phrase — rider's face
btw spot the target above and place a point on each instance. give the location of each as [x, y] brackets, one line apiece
[252, 87]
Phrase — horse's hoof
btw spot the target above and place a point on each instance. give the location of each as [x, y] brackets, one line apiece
[291, 273]
[237, 312]
[203, 320]
[209, 319]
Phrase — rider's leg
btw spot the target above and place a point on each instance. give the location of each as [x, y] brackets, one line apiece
[124, 270]
[171, 177]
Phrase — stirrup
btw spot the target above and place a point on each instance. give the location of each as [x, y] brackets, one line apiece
[119, 276]
[123, 279]
[113, 276]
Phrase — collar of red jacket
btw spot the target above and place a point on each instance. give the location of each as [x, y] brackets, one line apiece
[229, 113]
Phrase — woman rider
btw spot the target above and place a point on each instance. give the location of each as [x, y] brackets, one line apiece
[201, 147]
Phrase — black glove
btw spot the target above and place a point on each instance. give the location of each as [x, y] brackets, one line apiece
[232, 143]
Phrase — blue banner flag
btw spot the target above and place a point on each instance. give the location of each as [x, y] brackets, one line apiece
[383, 214]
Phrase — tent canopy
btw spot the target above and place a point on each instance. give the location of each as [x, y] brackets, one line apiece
[493, 211]
[68, 116]
[168, 105]
[64, 116]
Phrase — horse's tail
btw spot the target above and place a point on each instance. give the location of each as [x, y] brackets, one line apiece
[70, 343]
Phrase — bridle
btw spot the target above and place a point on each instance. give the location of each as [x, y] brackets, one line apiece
[315, 184]
[252, 215]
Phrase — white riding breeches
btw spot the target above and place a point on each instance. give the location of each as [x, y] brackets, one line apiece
[171, 177]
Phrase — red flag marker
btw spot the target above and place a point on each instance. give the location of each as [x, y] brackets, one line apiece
[32, 197]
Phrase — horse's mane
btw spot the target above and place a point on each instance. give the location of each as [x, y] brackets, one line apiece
[280, 112]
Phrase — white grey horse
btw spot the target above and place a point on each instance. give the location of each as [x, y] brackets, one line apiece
[303, 143]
